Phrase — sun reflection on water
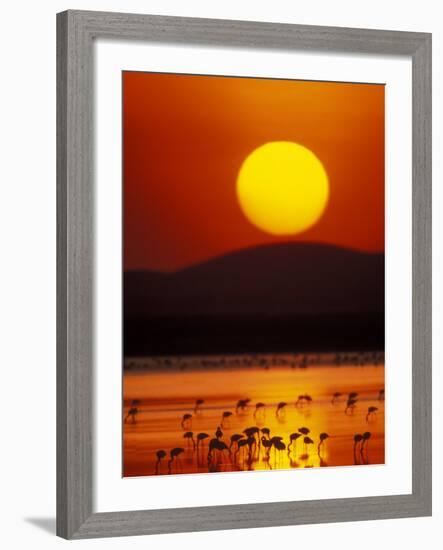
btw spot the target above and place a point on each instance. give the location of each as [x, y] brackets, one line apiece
[163, 399]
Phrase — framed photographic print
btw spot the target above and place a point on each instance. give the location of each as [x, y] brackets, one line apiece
[244, 280]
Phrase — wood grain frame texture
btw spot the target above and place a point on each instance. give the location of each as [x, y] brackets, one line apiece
[76, 31]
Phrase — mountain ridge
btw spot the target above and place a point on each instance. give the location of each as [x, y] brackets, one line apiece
[253, 249]
[282, 279]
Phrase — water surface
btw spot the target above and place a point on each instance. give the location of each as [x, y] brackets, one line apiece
[163, 395]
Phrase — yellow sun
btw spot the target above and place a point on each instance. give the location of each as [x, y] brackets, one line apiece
[282, 188]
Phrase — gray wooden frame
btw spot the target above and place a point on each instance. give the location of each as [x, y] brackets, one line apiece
[76, 31]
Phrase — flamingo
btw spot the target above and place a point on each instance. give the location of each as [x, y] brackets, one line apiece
[299, 400]
[251, 431]
[216, 445]
[241, 404]
[235, 438]
[250, 443]
[186, 421]
[212, 447]
[160, 456]
[335, 396]
[365, 438]
[350, 404]
[381, 395]
[266, 432]
[225, 416]
[198, 404]
[279, 446]
[353, 395]
[218, 433]
[240, 444]
[371, 412]
[190, 437]
[307, 441]
[174, 453]
[213, 444]
[323, 436]
[267, 444]
[132, 413]
[201, 437]
[280, 408]
[293, 437]
[259, 406]
[357, 439]
[303, 430]
[221, 446]
[303, 399]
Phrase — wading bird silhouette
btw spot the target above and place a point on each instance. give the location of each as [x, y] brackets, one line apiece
[303, 430]
[174, 454]
[323, 437]
[190, 437]
[293, 438]
[132, 413]
[225, 416]
[198, 404]
[252, 443]
[241, 443]
[335, 396]
[365, 438]
[381, 395]
[280, 409]
[267, 445]
[259, 407]
[279, 446]
[353, 395]
[371, 413]
[251, 431]
[350, 405]
[303, 399]
[160, 456]
[217, 445]
[357, 439]
[200, 441]
[266, 432]
[241, 405]
[218, 433]
[201, 437]
[186, 421]
[300, 400]
[307, 441]
[235, 438]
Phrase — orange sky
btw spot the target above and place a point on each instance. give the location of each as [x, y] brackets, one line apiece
[185, 138]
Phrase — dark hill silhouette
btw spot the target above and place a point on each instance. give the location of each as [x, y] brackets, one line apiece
[279, 279]
[265, 293]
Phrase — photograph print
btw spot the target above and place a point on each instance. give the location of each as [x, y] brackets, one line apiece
[253, 274]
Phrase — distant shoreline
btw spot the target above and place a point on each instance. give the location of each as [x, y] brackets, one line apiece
[265, 361]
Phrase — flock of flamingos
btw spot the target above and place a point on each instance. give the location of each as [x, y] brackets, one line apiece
[243, 450]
